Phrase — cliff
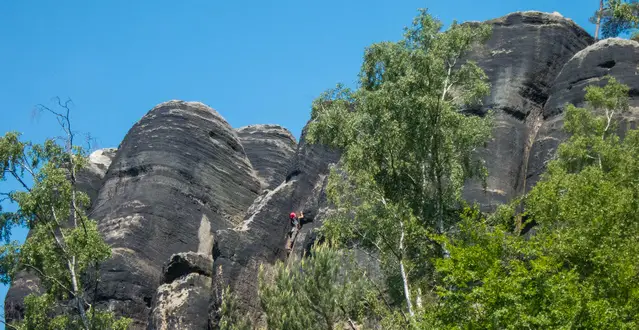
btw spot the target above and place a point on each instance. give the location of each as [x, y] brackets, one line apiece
[191, 205]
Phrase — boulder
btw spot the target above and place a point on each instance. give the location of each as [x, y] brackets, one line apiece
[186, 263]
[616, 57]
[182, 301]
[270, 149]
[88, 180]
[179, 175]
[521, 59]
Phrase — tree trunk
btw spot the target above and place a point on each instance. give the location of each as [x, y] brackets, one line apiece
[599, 14]
[77, 293]
[409, 304]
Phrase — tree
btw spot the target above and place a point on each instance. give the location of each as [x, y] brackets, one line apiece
[232, 317]
[323, 291]
[615, 17]
[407, 146]
[64, 243]
[578, 269]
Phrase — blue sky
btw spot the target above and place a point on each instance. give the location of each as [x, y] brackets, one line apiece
[252, 61]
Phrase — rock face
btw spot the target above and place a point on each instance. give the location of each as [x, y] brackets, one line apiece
[89, 180]
[270, 149]
[191, 206]
[616, 57]
[261, 238]
[24, 284]
[179, 175]
[522, 58]
[182, 301]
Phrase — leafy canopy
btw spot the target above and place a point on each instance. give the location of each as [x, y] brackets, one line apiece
[578, 269]
[407, 145]
[63, 243]
[618, 17]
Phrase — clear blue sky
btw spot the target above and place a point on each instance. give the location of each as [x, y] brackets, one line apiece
[253, 61]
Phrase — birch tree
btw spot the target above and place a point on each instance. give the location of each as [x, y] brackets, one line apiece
[579, 268]
[616, 17]
[64, 243]
[408, 147]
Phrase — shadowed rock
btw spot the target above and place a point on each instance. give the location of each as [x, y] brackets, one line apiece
[182, 301]
[521, 59]
[88, 180]
[616, 57]
[179, 175]
[187, 263]
[261, 238]
[270, 149]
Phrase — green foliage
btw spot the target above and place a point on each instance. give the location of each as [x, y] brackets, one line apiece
[617, 17]
[42, 312]
[324, 291]
[408, 145]
[231, 316]
[578, 269]
[63, 243]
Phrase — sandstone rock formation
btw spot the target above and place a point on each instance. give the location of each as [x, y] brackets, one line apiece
[24, 284]
[522, 58]
[616, 57]
[261, 238]
[270, 149]
[179, 175]
[190, 205]
[182, 301]
[89, 180]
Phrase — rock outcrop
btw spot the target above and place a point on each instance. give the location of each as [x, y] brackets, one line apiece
[24, 284]
[615, 57]
[179, 175]
[521, 59]
[182, 301]
[262, 237]
[191, 206]
[270, 149]
[91, 177]
[89, 180]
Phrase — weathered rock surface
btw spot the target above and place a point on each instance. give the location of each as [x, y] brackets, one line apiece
[190, 205]
[24, 284]
[182, 301]
[616, 57]
[270, 149]
[91, 177]
[261, 238]
[186, 263]
[88, 180]
[522, 58]
[179, 175]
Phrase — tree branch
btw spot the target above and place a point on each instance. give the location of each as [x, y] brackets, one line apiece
[8, 325]
[50, 278]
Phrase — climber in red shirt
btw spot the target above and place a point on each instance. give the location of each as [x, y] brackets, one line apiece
[295, 221]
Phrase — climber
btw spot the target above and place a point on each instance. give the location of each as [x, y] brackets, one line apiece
[295, 220]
